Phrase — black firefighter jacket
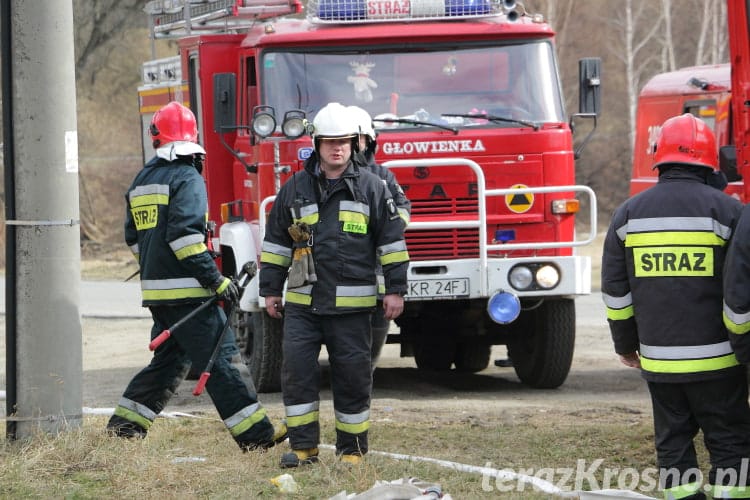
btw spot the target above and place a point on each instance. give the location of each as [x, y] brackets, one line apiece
[353, 223]
[662, 269]
[165, 228]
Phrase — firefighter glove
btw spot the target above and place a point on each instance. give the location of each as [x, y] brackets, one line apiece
[302, 271]
[227, 290]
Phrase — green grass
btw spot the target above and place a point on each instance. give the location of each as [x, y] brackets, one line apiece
[186, 458]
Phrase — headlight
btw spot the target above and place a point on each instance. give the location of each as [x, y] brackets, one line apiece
[294, 124]
[547, 277]
[264, 123]
[533, 276]
[521, 277]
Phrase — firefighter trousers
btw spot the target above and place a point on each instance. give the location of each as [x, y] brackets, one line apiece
[151, 389]
[347, 341]
[717, 407]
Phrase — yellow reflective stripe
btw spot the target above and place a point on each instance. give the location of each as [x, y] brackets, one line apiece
[299, 420]
[734, 327]
[354, 217]
[309, 219]
[274, 258]
[177, 293]
[223, 286]
[149, 199]
[395, 257]
[673, 238]
[673, 261]
[620, 314]
[682, 491]
[298, 298]
[688, 365]
[405, 216]
[352, 428]
[369, 301]
[189, 250]
[132, 416]
[730, 491]
[248, 422]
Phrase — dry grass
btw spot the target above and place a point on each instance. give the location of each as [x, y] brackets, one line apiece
[189, 458]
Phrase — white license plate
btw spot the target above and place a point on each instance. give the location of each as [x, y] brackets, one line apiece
[425, 289]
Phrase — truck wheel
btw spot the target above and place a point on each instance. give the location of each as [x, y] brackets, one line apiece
[434, 353]
[259, 339]
[473, 355]
[542, 350]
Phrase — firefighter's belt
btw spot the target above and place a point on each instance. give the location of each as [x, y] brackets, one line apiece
[302, 271]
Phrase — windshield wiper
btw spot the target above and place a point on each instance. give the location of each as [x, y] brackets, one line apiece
[492, 118]
[417, 122]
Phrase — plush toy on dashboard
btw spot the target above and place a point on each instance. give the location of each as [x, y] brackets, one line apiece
[361, 80]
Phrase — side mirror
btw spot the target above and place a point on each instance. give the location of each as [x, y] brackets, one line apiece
[728, 163]
[589, 83]
[225, 102]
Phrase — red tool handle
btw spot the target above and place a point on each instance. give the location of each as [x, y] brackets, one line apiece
[201, 383]
[159, 340]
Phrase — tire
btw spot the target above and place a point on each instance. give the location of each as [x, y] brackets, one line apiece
[259, 338]
[473, 355]
[542, 352]
[434, 353]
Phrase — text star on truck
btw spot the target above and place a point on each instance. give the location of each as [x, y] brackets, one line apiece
[706, 92]
[468, 108]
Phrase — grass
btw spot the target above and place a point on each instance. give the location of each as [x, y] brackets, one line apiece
[191, 458]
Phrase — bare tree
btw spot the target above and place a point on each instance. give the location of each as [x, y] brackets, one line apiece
[638, 29]
[97, 23]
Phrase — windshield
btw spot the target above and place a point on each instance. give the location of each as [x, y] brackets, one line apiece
[425, 84]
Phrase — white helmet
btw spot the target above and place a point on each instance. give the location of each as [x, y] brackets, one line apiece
[334, 121]
[364, 121]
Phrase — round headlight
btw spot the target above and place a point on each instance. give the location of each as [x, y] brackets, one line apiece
[503, 307]
[293, 127]
[547, 276]
[520, 277]
[264, 124]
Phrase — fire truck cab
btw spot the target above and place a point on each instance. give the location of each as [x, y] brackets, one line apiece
[468, 107]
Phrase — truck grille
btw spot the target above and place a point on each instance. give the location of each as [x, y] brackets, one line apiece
[443, 243]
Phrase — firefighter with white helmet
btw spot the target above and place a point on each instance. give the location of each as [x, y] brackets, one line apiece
[332, 217]
[368, 145]
[165, 229]
[662, 267]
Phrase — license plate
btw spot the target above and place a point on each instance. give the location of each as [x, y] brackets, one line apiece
[425, 289]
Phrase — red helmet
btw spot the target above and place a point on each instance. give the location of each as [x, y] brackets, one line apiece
[173, 122]
[686, 139]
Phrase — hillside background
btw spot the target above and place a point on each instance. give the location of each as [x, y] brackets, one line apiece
[635, 39]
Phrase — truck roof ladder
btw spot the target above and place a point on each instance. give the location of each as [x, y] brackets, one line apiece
[175, 18]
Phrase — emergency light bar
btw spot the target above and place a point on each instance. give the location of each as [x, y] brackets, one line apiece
[354, 11]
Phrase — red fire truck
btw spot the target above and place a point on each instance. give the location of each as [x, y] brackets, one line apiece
[468, 105]
[706, 92]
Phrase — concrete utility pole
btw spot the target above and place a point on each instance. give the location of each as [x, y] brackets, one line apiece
[43, 323]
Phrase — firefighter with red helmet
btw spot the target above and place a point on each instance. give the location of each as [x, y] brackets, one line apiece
[329, 226]
[165, 230]
[662, 266]
[368, 144]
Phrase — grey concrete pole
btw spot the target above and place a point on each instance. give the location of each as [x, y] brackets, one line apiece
[47, 226]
